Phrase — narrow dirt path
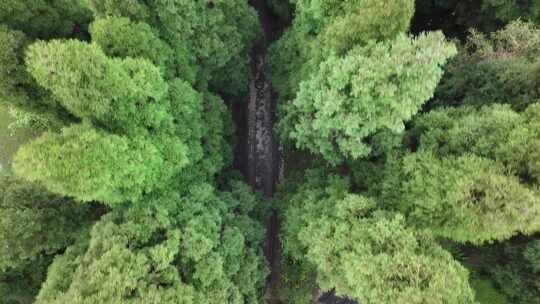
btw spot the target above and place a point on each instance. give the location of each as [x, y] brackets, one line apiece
[263, 157]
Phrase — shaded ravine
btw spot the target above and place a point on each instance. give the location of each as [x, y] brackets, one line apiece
[261, 147]
[263, 159]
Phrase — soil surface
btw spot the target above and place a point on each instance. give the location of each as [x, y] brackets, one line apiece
[264, 163]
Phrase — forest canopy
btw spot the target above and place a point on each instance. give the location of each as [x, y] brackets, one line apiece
[405, 137]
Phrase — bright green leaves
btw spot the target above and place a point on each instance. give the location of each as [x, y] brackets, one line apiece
[124, 84]
[122, 95]
[187, 110]
[91, 165]
[110, 271]
[355, 100]
[142, 131]
[324, 28]
[372, 88]
[365, 254]
[157, 125]
[350, 72]
[495, 132]
[193, 247]
[354, 22]
[365, 21]
[394, 264]
[133, 9]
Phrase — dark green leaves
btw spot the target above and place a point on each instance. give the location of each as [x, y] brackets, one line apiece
[474, 175]
[34, 222]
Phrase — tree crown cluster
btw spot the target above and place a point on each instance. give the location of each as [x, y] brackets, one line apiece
[411, 160]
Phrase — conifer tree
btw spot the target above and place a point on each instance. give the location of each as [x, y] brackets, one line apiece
[34, 222]
[501, 67]
[46, 18]
[473, 177]
[194, 247]
[398, 188]
[364, 253]
[18, 89]
[35, 225]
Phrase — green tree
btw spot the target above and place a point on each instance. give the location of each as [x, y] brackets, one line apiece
[499, 68]
[467, 198]
[205, 36]
[120, 37]
[126, 96]
[34, 222]
[34, 226]
[322, 28]
[118, 195]
[373, 88]
[472, 176]
[343, 25]
[139, 129]
[195, 247]
[363, 253]
[91, 165]
[17, 87]
[496, 132]
[46, 18]
[133, 9]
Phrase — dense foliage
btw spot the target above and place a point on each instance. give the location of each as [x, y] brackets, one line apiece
[321, 28]
[463, 172]
[132, 120]
[34, 226]
[364, 253]
[46, 18]
[372, 88]
[194, 247]
[455, 17]
[499, 68]
[513, 266]
[410, 142]
[473, 174]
